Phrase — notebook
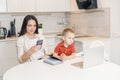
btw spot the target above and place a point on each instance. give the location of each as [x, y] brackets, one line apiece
[53, 60]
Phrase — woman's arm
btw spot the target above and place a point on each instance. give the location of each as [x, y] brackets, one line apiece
[24, 55]
[31, 51]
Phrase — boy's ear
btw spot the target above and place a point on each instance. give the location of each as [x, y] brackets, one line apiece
[63, 37]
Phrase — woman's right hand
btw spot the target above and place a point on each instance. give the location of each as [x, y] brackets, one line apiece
[35, 48]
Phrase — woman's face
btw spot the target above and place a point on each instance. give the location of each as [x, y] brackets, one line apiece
[31, 27]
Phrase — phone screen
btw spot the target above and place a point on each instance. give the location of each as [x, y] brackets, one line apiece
[39, 42]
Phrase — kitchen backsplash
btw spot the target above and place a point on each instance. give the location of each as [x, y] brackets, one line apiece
[90, 22]
[52, 22]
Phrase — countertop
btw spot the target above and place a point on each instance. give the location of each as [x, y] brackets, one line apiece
[50, 35]
[9, 39]
[15, 38]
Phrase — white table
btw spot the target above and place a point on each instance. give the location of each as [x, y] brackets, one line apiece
[39, 70]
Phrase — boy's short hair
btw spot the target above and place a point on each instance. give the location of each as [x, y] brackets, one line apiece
[66, 31]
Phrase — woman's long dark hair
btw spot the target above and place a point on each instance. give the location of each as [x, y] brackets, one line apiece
[25, 22]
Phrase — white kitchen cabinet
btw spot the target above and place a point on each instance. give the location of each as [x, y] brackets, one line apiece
[21, 5]
[2, 5]
[8, 55]
[38, 5]
[52, 5]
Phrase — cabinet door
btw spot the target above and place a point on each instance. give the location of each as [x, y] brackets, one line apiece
[2, 5]
[21, 5]
[8, 56]
[28, 5]
[14, 5]
[52, 5]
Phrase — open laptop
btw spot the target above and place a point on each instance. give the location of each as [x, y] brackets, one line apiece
[92, 57]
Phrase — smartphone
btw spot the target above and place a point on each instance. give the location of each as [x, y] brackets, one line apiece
[39, 42]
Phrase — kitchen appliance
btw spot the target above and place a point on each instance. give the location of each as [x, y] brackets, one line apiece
[12, 29]
[3, 32]
[86, 4]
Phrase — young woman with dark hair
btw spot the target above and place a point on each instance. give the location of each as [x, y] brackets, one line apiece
[28, 48]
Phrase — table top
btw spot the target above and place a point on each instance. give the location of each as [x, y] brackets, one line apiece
[38, 70]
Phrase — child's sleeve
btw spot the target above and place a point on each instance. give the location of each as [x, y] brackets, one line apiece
[56, 50]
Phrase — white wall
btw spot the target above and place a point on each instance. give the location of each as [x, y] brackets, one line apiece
[114, 14]
[115, 27]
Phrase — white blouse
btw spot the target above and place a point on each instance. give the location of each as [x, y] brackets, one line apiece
[24, 44]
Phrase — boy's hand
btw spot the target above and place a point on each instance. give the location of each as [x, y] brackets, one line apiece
[62, 56]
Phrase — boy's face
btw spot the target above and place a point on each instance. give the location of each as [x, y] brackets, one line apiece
[69, 38]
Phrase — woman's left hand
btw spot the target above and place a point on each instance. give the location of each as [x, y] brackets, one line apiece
[45, 57]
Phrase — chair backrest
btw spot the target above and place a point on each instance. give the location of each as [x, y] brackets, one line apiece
[96, 44]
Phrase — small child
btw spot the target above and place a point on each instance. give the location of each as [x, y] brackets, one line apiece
[66, 49]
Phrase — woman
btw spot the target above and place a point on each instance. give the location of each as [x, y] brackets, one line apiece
[26, 43]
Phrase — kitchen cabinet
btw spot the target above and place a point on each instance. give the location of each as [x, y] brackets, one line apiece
[52, 5]
[2, 5]
[38, 5]
[8, 55]
[21, 5]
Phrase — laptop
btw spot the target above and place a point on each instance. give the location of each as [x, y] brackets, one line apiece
[92, 57]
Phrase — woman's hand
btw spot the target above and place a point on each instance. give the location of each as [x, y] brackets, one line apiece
[35, 48]
[45, 57]
[30, 52]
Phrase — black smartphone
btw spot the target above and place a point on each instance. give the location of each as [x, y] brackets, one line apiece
[39, 42]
